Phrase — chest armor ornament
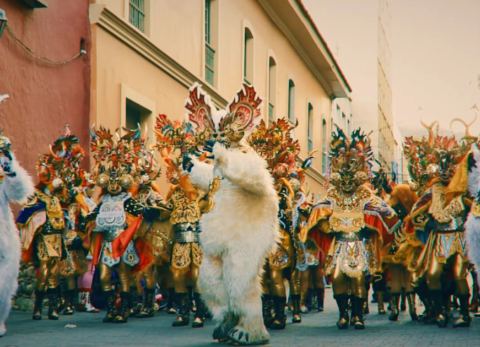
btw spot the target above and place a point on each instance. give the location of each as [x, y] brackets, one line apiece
[350, 253]
[447, 216]
[347, 215]
[184, 209]
[111, 216]
[54, 211]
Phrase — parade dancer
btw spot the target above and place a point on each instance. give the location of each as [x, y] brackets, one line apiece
[400, 254]
[156, 230]
[15, 186]
[68, 153]
[278, 147]
[281, 262]
[355, 221]
[186, 204]
[313, 286]
[117, 218]
[383, 189]
[439, 217]
[42, 226]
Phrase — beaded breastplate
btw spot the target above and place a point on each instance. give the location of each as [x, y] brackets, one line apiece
[348, 215]
[111, 215]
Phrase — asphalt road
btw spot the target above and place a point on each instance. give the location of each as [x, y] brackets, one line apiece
[317, 329]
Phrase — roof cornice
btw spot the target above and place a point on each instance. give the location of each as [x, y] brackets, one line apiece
[298, 27]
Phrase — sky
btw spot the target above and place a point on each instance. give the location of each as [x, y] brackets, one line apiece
[435, 55]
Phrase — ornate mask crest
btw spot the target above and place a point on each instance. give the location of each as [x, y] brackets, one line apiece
[350, 160]
[117, 157]
[228, 126]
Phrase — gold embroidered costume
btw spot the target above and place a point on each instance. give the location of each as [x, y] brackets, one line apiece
[438, 220]
[354, 222]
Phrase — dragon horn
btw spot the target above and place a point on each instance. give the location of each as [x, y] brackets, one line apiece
[67, 130]
[294, 126]
[465, 124]
[431, 134]
[52, 152]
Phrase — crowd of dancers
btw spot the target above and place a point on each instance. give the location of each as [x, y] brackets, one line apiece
[133, 249]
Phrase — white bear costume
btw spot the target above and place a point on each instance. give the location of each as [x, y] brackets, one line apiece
[16, 187]
[236, 237]
[241, 229]
[472, 225]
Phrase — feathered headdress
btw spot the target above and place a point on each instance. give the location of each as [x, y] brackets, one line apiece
[277, 146]
[148, 169]
[174, 140]
[425, 154]
[356, 151]
[120, 151]
[63, 162]
[228, 126]
[381, 182]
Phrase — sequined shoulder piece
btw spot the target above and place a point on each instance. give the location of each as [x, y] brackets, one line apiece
[133, 207]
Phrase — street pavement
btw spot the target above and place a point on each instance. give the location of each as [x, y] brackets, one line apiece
[317, 329]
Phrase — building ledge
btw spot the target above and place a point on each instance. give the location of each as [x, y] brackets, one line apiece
[101, 16]
[296, 24]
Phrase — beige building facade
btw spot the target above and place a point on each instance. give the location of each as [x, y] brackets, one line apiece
[387, 142]
[359, 34]
[147, 53]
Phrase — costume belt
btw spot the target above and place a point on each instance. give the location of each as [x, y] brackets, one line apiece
[456, 224]
[48, 229]
[439, 231]
[349, 236]
[111, 235]
[187, 232]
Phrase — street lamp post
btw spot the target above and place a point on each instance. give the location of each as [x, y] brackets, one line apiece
[3, 21]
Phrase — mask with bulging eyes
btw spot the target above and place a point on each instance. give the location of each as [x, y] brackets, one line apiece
[350, 174]
[113, 183]
[102, 180]
[446, 166]
[126, 181]
[113, 186]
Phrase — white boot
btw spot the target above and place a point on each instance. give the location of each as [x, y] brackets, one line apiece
[3, 329]
[88, 305]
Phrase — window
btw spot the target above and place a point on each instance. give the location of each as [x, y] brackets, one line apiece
[210, 29]
[344, 122]
[137, 14]
[208, 23]
[272, 70]
[248, 57]
[338, 118]
[324, 146]
[291, 101]
[135, 115]
[310, 128]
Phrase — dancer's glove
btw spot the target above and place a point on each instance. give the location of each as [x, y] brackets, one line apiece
[187, 163]
[209, 145]
[6, 163]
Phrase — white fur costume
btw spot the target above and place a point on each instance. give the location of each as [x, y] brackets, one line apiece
[16, 189]
[236, 237]
[472, 226]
